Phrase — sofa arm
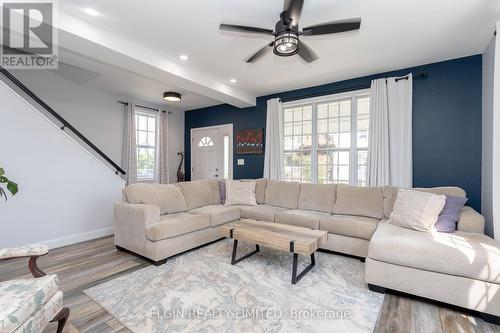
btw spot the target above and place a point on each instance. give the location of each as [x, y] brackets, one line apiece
[131, 221]
[470, 221]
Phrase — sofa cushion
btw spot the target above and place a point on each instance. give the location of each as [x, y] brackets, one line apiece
[301, 218]
[260, 189]
[200, 193]
[462, 254]
[318, 197]
[282, 194]
[260, 212]
[351, 226]
[360, 201]
[20, 299]
[168, 198]
[218, 214]
[172, 225]
[390, 193]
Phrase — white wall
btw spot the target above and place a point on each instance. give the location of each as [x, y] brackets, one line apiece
[97, 114]
[496, 141]
[94, 113]
[487, 137]
[66, 195]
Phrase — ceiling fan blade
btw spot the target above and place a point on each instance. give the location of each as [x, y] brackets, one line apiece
[294, 9]
[260, 53]
[307, 53]
[242, 28]
[332, 28]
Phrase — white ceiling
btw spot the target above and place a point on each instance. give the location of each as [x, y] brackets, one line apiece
[394, 34]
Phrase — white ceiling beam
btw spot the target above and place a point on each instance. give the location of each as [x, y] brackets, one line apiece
[87, 40]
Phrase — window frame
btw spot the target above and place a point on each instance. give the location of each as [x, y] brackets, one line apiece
[150, 114]
[353, 149]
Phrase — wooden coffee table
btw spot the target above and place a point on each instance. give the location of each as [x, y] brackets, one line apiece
[297, 240]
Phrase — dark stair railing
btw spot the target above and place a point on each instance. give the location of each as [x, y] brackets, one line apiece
[63, 121]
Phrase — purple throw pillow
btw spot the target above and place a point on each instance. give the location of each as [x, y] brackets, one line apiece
[449, 216]
[222, 191]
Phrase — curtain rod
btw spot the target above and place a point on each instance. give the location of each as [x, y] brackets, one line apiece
[144, 107]
[422, 75]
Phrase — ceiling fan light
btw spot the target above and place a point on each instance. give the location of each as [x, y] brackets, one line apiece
[286, 43]
[172, 96]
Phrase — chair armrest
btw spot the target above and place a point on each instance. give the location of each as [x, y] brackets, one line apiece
[470, 221]
[31, 251]
[24, 251]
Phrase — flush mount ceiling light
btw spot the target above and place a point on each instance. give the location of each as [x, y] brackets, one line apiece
[91, 12]
[172, 96]
[233, 80]
[183, 57]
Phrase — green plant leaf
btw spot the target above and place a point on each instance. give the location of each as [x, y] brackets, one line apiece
[3, 194]
[3, 179]
[2, 172]
[12, 187]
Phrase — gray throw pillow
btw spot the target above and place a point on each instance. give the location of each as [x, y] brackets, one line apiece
[449, 216]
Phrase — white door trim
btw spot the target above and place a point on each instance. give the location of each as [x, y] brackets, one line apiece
[223, 129]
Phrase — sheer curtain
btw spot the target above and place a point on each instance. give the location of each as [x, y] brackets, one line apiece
[273, 158]
[390, 141]
[162, 170]
[129, 153]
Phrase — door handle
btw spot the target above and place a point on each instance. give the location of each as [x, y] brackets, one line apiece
[216, 175]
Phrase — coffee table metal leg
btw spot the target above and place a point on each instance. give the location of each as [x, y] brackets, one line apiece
[234, 261]
[296, 278]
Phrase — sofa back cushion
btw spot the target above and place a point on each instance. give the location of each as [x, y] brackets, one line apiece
[260, 189]
[200, 193]
[168, 198]
[390, 193]
[317, 197]
[360, 201]
[282, 194]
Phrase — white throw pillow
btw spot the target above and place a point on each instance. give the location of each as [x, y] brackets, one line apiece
[417, 210]
[240, 193]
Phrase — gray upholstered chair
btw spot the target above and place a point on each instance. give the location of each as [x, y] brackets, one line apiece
[28, 305]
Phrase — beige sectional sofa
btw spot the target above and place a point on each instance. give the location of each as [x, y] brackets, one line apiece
[462, 268]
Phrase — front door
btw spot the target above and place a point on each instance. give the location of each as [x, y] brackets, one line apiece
[211, 152]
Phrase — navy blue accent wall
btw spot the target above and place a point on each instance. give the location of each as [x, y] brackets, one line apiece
[447, 110]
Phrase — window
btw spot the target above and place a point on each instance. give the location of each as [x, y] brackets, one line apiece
[206, 142]
[326, 139]
[146, 129]
[298, 143]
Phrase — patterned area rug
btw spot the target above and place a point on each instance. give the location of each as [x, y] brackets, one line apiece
[200, 291]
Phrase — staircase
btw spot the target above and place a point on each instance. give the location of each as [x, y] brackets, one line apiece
[67, 186]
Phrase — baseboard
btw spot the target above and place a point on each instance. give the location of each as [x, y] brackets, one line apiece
[77, 238]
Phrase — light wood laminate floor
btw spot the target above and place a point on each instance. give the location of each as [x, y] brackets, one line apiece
[86, 264]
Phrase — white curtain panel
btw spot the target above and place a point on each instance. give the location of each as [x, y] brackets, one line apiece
[399, 96]
[273, 158]
[378, 139]
[390, 159]
[161, 170]
[129, 154]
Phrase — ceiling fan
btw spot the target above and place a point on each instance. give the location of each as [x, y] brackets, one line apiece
[286, 33]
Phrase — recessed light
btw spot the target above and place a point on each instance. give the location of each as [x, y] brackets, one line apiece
[183, 57]
[233, 81]
[91, 12]
[171, 96]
